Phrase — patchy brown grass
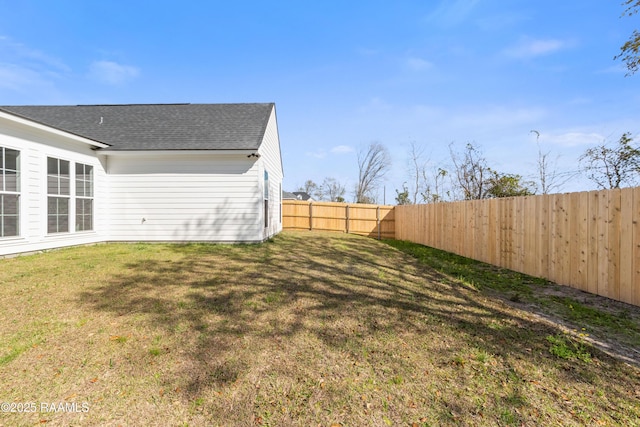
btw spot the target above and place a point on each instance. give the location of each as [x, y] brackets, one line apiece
[308, 329]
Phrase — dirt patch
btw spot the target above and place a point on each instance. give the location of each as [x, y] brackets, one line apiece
[611, 341]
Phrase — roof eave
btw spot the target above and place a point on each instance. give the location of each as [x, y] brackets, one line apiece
[132, 153]
[50, 129]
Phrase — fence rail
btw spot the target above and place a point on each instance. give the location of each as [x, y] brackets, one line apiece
[367, 220]
[588, 240]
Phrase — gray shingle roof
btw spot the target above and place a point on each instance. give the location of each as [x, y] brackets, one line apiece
[158, 126]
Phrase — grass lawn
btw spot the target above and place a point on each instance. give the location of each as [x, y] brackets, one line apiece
[308, 329]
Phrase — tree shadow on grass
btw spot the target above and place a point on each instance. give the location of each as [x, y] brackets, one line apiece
[336, 292]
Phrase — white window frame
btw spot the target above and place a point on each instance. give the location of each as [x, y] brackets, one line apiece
[84, 195]
[4, 192]
[57, 193]
[266, 199]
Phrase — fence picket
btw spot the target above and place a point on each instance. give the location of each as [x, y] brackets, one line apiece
[635, 279]
[626, 245]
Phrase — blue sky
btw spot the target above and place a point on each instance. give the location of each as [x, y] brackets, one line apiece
[344, 74]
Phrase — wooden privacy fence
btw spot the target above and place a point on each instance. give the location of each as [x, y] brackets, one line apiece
[588, 240]
[367, 220]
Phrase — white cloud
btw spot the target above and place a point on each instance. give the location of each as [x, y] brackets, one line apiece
[573, 139]
[26, 84]
[36, 59]
[28, 72]
[531, 48]
[318, 154]
[502, 20]
[364, 51]
[113, 73]
[375, 104]
[418, 64]
[342, 149]
[489, 118]
[15, 77]
[614, 69]
[450, 13]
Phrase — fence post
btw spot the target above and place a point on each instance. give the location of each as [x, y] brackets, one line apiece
[378, 220]
[310, 216]
[347, 225]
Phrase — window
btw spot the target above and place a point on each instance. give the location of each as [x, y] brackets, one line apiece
[9, 192]
[59, 193]
[84, 197]
[266, 199]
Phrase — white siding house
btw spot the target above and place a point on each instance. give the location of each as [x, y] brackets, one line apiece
[174, 172]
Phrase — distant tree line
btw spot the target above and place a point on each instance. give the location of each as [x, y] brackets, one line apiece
[468, 175]
[374, 161]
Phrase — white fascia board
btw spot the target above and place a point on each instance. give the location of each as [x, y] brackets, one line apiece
[49, 129]
[134, 153]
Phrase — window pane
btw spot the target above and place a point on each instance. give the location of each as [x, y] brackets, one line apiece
[52, 185]
[84, 180]
[10, 181]
[9, 204]
[52, 205]
[58, 215]
[11, 159]
[79, 213]
[9, 226]
[52, 224]
[64, 167]
[63, 224]
[63, 206]
[80, 179]
[65, 186]
[52, 166]
[89, 179]
[84, 211]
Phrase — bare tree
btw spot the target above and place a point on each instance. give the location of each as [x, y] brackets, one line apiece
[417, 170]
[374, 162]
[332, 190]
[471, 172]
[550, 179]
[613, 167]
[427, 179]
[312, 189]
[435, 193]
